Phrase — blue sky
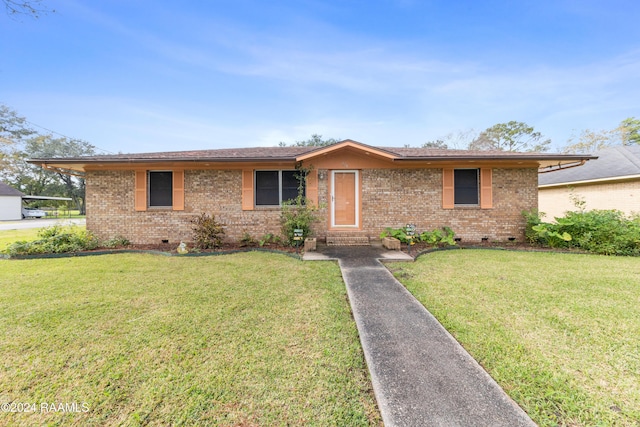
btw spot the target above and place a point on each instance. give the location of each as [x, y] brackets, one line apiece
[138, 75]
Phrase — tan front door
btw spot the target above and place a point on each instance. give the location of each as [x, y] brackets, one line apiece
[344, 195]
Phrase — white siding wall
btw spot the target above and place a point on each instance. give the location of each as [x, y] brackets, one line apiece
[10, 208]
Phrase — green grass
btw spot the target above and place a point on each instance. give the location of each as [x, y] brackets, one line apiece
[559, 332]
[63, 213]
[248, 339]
[9, 236]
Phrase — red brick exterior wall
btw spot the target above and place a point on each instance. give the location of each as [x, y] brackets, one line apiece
[389, 197]
[396, 197]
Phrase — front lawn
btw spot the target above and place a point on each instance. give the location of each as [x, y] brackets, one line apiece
[559, 332]
[248, 339]
[8, 237]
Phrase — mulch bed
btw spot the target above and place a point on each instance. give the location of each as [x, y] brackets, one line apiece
[172, 248]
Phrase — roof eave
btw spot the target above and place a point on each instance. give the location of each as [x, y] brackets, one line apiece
[591, 181]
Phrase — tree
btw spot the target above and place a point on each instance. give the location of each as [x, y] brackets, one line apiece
[24, 7]
[630, 131]
[45, 146]
[13, 127]
[590, 141]
[438, 143]
[315, 141]
[627, 133]
[32, 179]
[18, 143]
[511, 136]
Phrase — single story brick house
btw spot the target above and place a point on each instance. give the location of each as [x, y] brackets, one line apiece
[610, 182]
[359, 189]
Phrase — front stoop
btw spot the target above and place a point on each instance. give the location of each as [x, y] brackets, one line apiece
[347, 239]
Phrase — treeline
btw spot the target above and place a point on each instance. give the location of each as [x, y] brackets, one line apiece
[20, 142]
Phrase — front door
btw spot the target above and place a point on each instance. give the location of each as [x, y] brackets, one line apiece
[344, 197]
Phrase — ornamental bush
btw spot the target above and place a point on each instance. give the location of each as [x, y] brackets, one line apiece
[606, 232]
[438, 237]
[207, 232]
[56, 239]
[299, 214]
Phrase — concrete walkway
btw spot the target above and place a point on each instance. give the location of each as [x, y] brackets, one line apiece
[421, 375]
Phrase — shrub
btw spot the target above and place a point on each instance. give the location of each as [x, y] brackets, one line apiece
[397, 233]
[532, 218]
[56, 239]
[300, 214]
[606, 232]
[247, 240]
[444, 236]
[116, 242]
[268, 239]
[207, 232]
[437, 237]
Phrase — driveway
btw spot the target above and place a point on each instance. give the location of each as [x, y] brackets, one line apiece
[39, 223]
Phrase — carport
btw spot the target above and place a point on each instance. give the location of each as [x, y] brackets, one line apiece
[46, 198]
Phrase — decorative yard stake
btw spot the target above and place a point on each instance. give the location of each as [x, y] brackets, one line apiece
[297, 237]
[410, 231]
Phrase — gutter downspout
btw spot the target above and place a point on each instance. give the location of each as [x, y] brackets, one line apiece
[560, 167]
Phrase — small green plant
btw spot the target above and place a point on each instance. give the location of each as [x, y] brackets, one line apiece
[532, 217]
[56, 239]
[397, 233]
[116, 242]
[268, 239]
[207, 232]
[438, 237]
[247, 240]
[578, 201]
[548, 233]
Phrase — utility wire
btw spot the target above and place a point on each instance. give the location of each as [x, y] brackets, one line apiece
[68, 137]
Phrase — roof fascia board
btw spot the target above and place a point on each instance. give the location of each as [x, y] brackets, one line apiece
[591, 181]
[72, 160]
[513, 157]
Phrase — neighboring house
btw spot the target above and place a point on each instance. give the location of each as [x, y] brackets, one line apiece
[360, 190]
[610, 182]
[10, 203]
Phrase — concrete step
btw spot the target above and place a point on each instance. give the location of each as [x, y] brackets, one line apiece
[346, 240]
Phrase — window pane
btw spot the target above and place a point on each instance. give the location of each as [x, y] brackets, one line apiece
[290, 185]
[466, 186]
[267, 192]
[160, 188]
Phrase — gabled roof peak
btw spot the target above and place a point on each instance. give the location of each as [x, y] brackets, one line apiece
[7, 190]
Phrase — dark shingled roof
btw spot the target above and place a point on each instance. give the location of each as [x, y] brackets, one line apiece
[224, 153]
[7, 190]
[290, 153]
[294, 154]
[612, 162]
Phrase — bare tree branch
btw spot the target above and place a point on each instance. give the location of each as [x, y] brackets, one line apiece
[33, 8]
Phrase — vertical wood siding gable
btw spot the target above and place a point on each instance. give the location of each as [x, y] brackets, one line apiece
[447, 188]
[178, 190]
[247, 189]
[486, 188]
[140, 193]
